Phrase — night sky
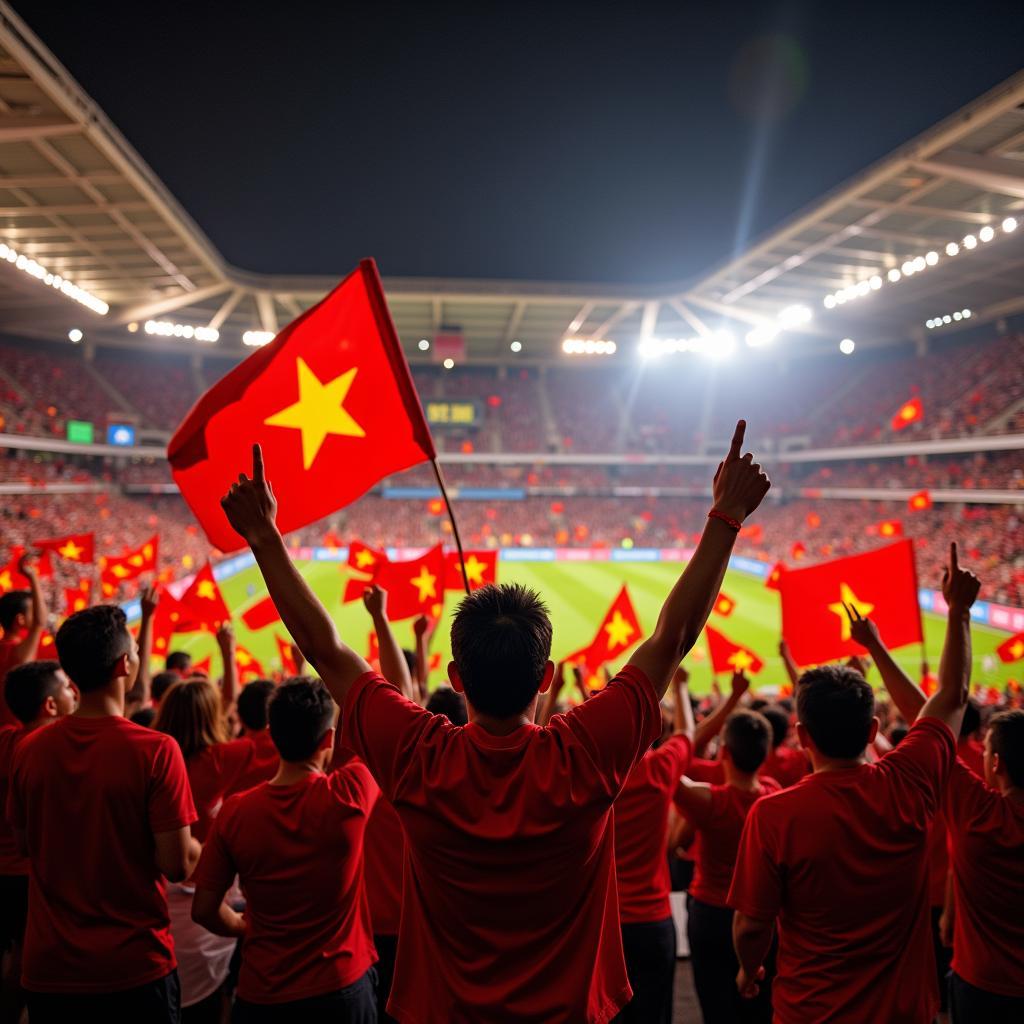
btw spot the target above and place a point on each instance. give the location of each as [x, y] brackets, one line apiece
[552, 141]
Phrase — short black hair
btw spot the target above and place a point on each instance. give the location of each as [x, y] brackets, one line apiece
[501, 643]
[445, 701]
[89, 644]
[161, 683]
[301, 712]
[972, 719]
[178, 661]
[897, 734]
[1006, 738]
[747, 736]
[28, 686]
[778, 719]
[253, 702]
[144, 717]
[835, 705]
[13, 604]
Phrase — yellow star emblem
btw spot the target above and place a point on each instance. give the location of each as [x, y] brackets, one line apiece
[848, 597]
[740, 660]
[619, 631]
[1017, 649]
[319, 411]
[135, 560]
[6, 583]
[427, 584]
[475, 570]
[206, 590]
[120, 572]
[79, 604]
[70, 550]
[243, 657]
[147, 552]
[364, 559]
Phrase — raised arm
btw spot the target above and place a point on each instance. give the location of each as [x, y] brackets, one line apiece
[792, 669]
[422, 632]
[739, 487]
[548, 703]
[393, 665]
[25, 650]
[710, 726]
[251, 509]
[682, 709]
[906, 694]
[229, 681]
[139, 695]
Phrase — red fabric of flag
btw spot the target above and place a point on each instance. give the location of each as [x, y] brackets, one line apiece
[75, 547]
[882, 584]
[797, 551]
[76, 599]
[331, 401]
[619, 630]
[203, 602]
[261, 614]
[203, 667]
[727, 656]
[909, 412]
[887, 528]
[1012, 649]
[724, 605]
[415, 587]
[248, 665]
[284, 652]
[771, 581]
[481, 569]
[920, 502]
[363, 558]
[122, 568]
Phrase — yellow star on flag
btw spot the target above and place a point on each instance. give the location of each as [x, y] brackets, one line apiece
[1017, 649]
[70, 550]
[619, 631]
[79, 604]
[319, 411]
[6, 583]
[147, 552]
[135, 560]
[475, 570]
[427, 584]
[206, 590]
[119, 571]
[364, 559]
[242, 656]
[740, 660]
[848, 597]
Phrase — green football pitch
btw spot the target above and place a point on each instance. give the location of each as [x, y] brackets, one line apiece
[578, 595]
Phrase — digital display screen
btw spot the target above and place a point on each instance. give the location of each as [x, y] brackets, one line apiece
[80, 432]
[121, 434]
[452, 414]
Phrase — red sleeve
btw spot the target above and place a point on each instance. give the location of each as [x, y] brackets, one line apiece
[757, 879]
[919, 767]
[216, 869]
[699, 813]
[671, 760]
[169, 801]
[353, 785]
[703, 770]
[383, 728]
[15, 809]
[966, 796]
[616, 727]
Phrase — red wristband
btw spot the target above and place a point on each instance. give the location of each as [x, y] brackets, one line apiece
[728, 520]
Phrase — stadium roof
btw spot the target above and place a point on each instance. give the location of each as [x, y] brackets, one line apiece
[88, 215]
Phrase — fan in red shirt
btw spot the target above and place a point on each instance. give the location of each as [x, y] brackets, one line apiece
[296, 844]
[38, 693]
[102, 808]
[23, 617]
[786, 765]
[641, 839]
[714, 815]
[263, 758]
[509, 871]
[969, 747]
[841, 858]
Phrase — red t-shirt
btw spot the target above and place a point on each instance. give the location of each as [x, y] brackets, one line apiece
[972, 753]
[703, 770]
[11, 860]
[510, 860]
[786, 765]
[383, 867]
[262, 764]
[298, 853]
[641, 832]
[938, 860]
[719, 826]
[90, 793]
[212, 773]
[987, 842]
[7, 646]
[841, 859]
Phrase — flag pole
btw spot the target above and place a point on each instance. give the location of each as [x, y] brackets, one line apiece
[451, 519]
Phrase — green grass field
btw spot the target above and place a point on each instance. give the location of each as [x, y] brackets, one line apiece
[578, 595]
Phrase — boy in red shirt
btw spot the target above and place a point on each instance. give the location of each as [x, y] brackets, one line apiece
[841, 858]
[102, 809]
[296, 844]
[252, 704]
[716, 814]
[509, 870]
[38, 693]
[786, 765]
[22, 618]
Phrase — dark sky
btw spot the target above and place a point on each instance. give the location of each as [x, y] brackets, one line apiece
[625, 142]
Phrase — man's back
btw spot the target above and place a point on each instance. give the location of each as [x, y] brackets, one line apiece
[842, 859]
[12, 862]
[89, 794]
[510, 875]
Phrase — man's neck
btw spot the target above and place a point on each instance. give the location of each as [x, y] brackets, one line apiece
[501, 726]
[38, 723]
[740, 780]
[836, 764]
[290, 772]
[101, 704]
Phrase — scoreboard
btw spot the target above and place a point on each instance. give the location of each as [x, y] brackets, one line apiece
[453, 413]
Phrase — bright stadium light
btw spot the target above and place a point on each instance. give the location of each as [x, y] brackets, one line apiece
[167, 329]
[257, 339]
[55, 281]
[875, 282]
[931, 258]
[987, 233]
[762, 335]
[424, 345]
[952, 249]
[929, 324]
[970, 241]
[449, 364]
[846, 346]
[894, 275]
[908, 268]
[516, 346]
[920, 263]
[75, 335]
[793, 316]
[829, 302]
[1010, 224]
[966, 313]
[588, 347]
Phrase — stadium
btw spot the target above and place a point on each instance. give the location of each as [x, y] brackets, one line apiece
[873, 341]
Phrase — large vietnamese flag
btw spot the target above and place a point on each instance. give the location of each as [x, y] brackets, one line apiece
[619, 630]
[330, 400]
[414, 587]
[481, 569]
[76, 547]
[727, 656]
[882, 584]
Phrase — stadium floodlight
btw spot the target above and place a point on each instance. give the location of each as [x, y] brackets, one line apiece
[970, 241]
[931, 258]
[958, 315]
[762, 335]
[1010, 224]
[167, 329]
[947, 319]
[61, 284]
[829, 302]
[75, 335]
[587, 347]
[875, 282]
[257, 339]
[894, 275]
[920, 263]
[966, 313]
[846, 346]
[516, 346]
[908, 268]
[449, 364]
[952, 249]
[793, 316]
[720, 344]
[987, 233]
[929, 324]
[424, 345]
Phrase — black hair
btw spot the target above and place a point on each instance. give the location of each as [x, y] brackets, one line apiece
[972, 719]
[1006, 738]
[161, 683]
[410, 660]
[747, 736]
[144, 717]
[301, 712]
[778, 719]
[501, 643]
[758, 704]
[89, 644]
[445, 701]
[897, 734]
[836, 705]
[13, 604]
[253, 702]
[28, 686]
[178, 661]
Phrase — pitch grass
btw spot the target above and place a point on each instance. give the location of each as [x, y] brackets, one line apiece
[578, 595]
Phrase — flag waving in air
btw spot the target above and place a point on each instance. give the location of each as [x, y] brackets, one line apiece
[1012, 649]
[920, 502]
[909, 412]
[415, 587]
[330, 400]
[619, 631]
[881, 584]
[481, 569]
[203, 604]
[727, 656]
[724, 605]
[76, 547]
